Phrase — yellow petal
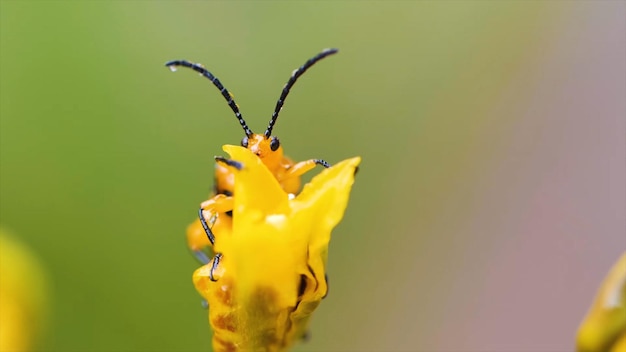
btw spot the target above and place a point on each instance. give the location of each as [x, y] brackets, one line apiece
[319, 208]
[604, 327]
[23, 299]
[620, 344]
[325, 198]
[255, 186]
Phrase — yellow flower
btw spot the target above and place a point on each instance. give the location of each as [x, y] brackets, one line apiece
[22, 296]
[604, 327]
[271, 276]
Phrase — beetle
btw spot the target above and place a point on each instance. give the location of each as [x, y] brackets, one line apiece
[218, 209]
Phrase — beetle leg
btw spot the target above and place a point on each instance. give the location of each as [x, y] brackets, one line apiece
[206, 227]
[216, 262]
[299, 169]
[201, 256]
[198, 242]
[218, 204]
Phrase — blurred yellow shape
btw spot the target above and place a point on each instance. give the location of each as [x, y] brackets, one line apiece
[604, 327]
[22, 296]
[272, 273]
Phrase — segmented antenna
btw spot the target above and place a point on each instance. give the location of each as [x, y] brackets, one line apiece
[225, 93]
[292, 80]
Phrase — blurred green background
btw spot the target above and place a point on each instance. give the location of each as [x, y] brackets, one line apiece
[489, 205]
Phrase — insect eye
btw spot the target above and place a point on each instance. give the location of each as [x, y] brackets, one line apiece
[244, 142]
[274, 144]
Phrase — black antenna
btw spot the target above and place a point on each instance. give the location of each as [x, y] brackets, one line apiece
[225, 93]
[292, 80]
